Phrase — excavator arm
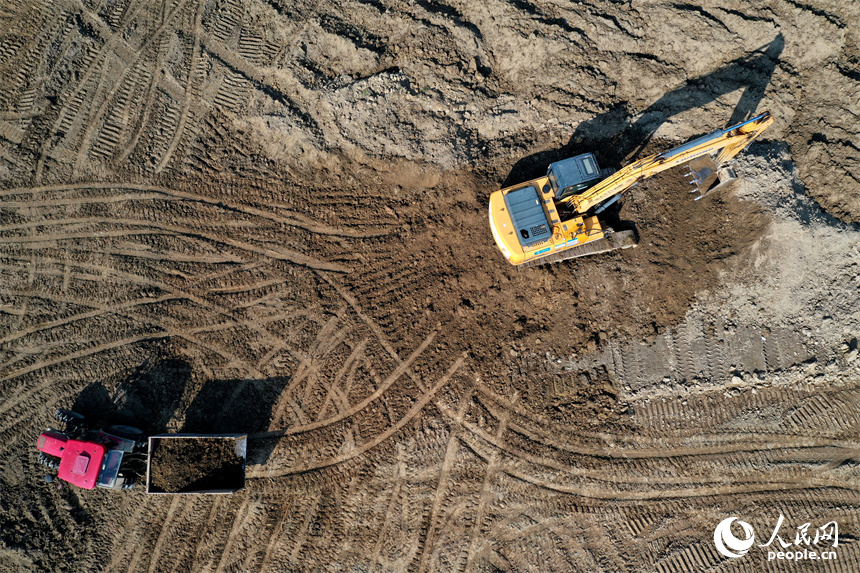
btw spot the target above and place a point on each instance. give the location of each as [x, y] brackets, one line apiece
[725, 143]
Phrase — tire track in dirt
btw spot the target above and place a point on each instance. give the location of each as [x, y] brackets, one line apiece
[393, 502]
[477, 544]
[241, 519]
[296, 220]
[275, 536]
[355, 408]
[448, 461]
[416, 408]
[271, 252]
[177, 502]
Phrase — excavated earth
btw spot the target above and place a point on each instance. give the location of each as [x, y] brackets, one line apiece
[183, 465]
[270, 217]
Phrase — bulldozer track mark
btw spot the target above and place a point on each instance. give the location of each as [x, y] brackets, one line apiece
[195, 79]
[620, 447]
[68, 113]
[132, 60]
[698, 557]
[234, 91]
[243, 73]
[250, 46]
[142, 121]
[230, 18]
[699, 350]
[416, 408]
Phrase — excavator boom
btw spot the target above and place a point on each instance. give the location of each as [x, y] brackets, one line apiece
[726, 142]
[526, 219]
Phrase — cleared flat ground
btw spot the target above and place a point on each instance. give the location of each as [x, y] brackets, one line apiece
[270, 218]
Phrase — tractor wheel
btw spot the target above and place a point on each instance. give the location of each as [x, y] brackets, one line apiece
[129, 433]
[70, 418]
[48, 461]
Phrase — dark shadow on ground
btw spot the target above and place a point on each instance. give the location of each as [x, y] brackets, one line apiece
[237, 407]
[151, 396]
[147, 399]
[614, 138]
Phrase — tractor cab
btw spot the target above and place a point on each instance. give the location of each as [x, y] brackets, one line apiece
[81, 463]
[90, 458]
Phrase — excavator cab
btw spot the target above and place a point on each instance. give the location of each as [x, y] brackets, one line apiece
[573, 175]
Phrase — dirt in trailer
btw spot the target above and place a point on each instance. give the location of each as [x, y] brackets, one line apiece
[270, 218]
[183, 465]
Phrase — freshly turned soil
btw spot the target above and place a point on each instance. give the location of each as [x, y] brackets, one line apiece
[182, 465]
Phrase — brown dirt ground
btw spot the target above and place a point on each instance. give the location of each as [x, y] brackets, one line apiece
[270, 218]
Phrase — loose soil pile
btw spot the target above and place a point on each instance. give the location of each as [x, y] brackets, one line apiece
[185, 465]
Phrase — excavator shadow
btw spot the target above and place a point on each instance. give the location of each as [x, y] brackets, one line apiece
[614, 138]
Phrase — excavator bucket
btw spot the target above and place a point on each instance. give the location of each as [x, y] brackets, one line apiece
[707, 177]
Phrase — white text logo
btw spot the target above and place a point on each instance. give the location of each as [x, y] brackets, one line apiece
[803, 547]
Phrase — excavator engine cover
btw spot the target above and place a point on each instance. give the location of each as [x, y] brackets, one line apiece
[528, 216]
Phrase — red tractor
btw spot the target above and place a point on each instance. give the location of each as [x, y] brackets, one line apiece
[87, 457]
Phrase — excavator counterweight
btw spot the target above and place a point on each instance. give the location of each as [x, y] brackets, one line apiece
[554, 218]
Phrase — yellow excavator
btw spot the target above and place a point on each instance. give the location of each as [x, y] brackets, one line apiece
[555, 218]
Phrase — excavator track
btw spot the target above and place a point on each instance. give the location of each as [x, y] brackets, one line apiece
[610, 242]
